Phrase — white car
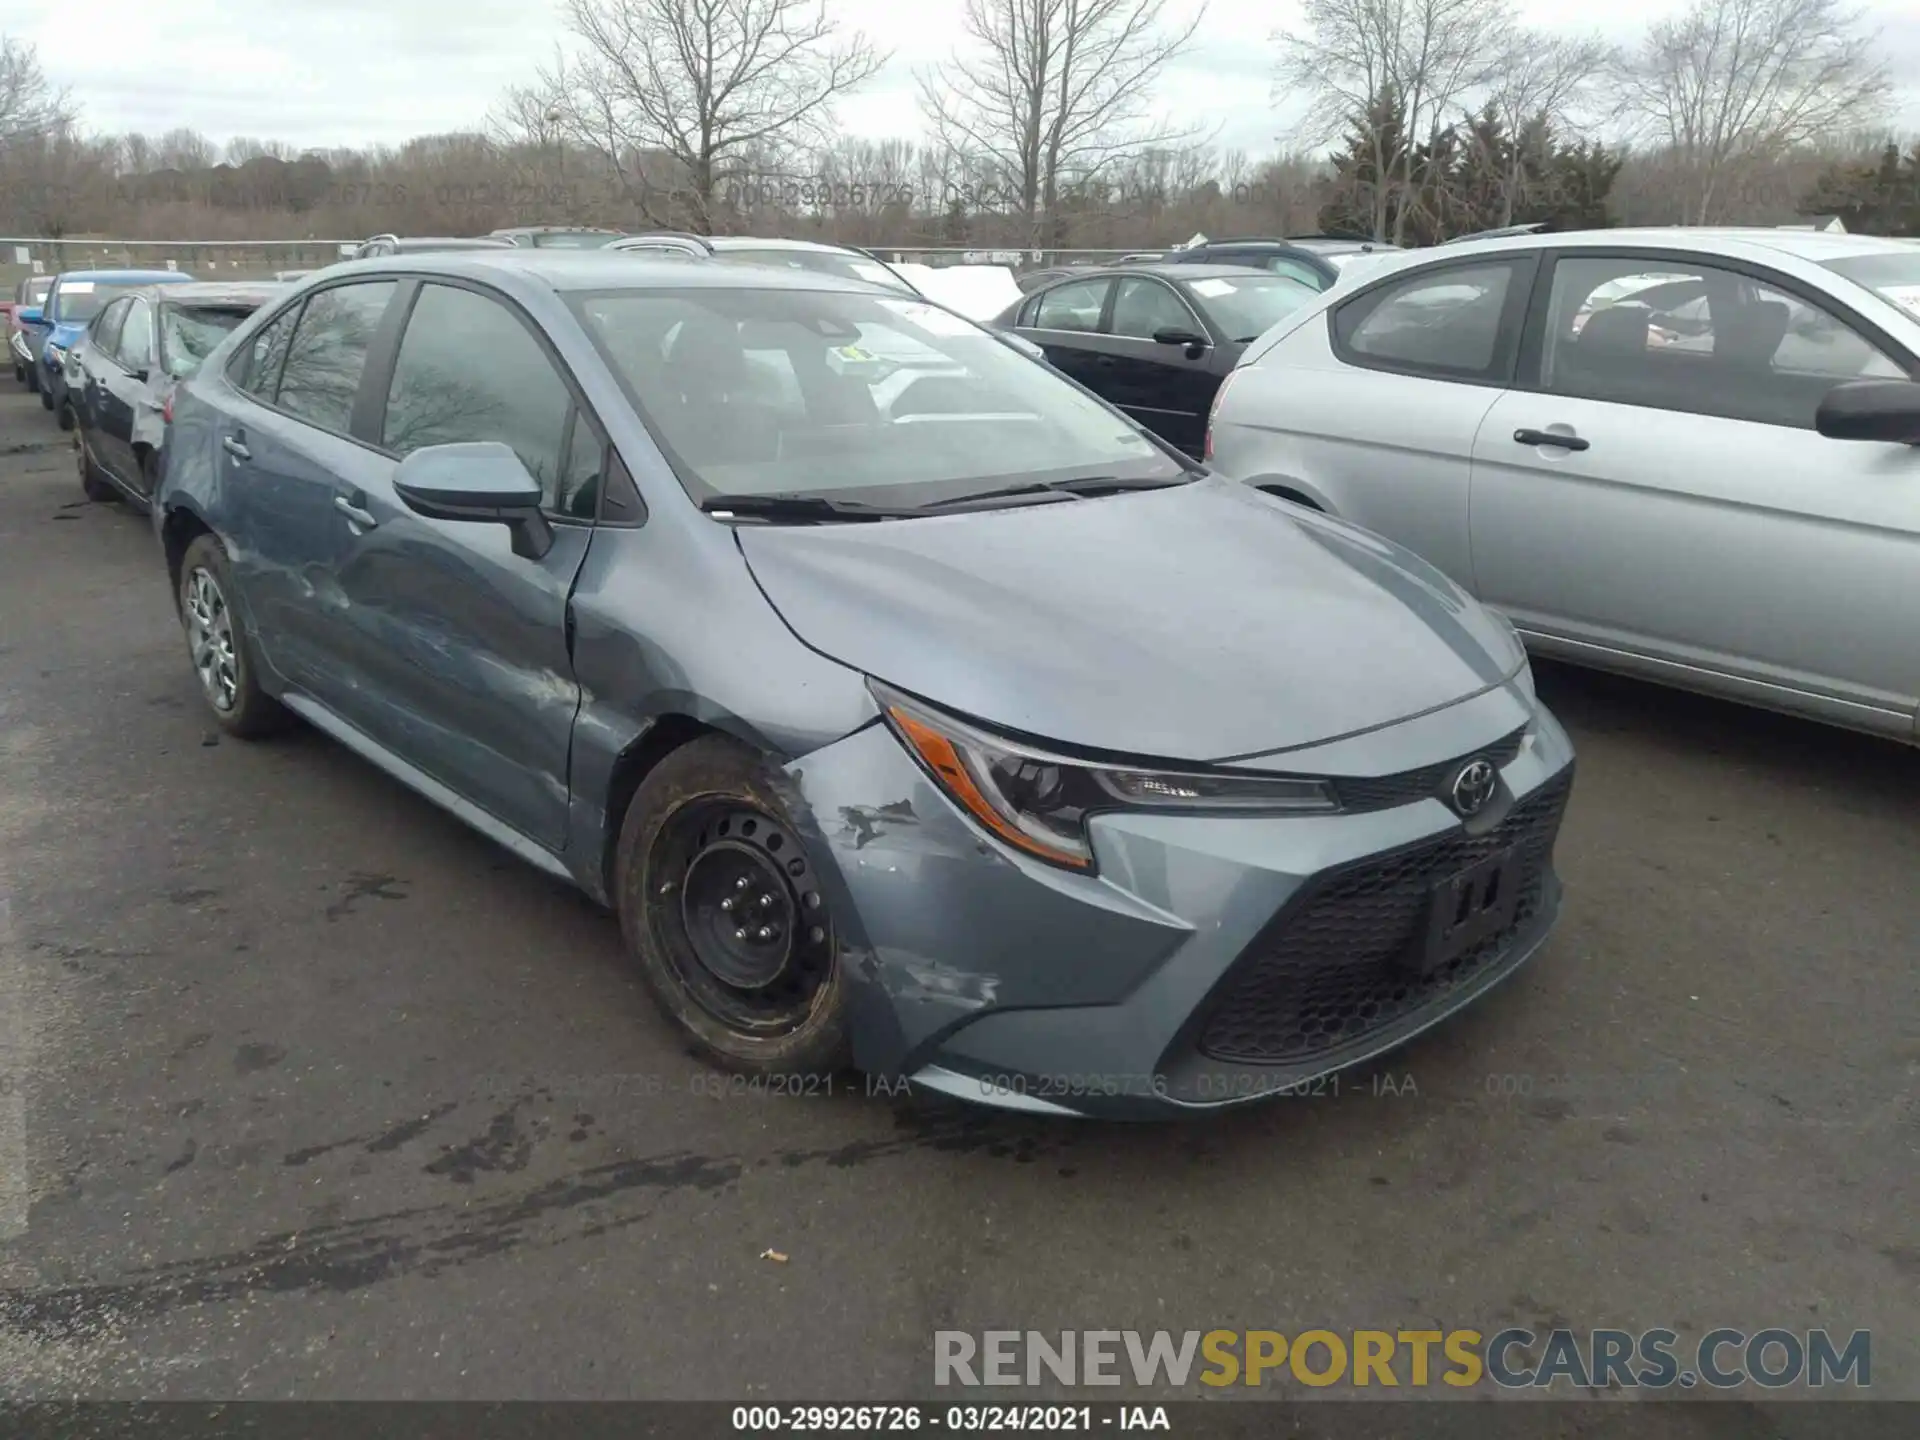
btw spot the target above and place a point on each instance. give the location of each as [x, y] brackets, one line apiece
[1687, 454]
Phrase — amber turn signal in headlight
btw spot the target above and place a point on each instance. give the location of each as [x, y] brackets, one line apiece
[1039, 802]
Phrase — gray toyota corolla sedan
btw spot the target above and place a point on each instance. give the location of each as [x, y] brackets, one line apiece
[911, 707]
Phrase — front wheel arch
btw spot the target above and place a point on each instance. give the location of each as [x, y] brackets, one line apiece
[1280, 490]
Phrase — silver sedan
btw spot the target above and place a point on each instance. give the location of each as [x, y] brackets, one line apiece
[1690, 455]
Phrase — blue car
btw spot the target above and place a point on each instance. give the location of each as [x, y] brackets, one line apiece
[911, 706]
[77, 296]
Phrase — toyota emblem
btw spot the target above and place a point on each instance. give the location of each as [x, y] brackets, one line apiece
[1473, 786]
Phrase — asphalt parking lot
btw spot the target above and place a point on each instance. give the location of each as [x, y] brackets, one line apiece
[305, 1090]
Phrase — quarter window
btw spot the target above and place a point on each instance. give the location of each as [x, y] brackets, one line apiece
[1445, 322]
[321, 377]
[1296, 270]
[1075, 305]
[469, 370]
[1699, 339]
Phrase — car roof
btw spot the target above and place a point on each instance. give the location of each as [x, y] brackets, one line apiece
[447, 242]
[151, 277]
[1814, 245]
[1198, 270]
[577, 270]
[222, 292]
[754, 242]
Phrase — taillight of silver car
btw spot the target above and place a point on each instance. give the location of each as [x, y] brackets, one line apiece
[1206, 450]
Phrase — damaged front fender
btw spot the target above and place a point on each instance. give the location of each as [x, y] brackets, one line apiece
[938, 924]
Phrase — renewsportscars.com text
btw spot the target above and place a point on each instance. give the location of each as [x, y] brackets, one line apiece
[1405, 1359]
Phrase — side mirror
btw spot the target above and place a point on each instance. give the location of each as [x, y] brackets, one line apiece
[31, 315]
[476, 480]
[1883, 410]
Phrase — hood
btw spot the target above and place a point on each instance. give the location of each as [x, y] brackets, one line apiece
[1204, 622]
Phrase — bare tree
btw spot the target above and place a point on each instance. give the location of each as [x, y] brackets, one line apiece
[30, 108]
[533, 116]
[1735, 84]
[1054, 93]
[704, 85]
[1558, 79]
[184, 149]
[1418, 59]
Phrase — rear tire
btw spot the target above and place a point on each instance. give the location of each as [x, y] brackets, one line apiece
[217, 644]
[724, 917]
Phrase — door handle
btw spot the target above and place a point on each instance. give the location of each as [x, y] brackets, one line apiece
[235, 448]
[1104, 360]
[364, 519]
[1547, 437]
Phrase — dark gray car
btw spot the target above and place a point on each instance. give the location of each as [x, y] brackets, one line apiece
[137, 349]
[1156, 340]
[929, 717]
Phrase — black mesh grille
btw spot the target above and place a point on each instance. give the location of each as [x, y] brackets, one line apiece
[1385, 791]
[1330, 971]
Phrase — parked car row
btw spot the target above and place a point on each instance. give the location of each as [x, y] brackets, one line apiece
[920, 706]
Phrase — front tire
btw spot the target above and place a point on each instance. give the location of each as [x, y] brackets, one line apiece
[218, 646]
[93, 484]
[65, 414]
[46, 395]
[723, 914]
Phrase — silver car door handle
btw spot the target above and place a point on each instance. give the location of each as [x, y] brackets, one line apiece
[354, 513]
[234, 448]
[1549, 437]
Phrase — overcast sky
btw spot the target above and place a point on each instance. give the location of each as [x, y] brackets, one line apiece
[356, 72]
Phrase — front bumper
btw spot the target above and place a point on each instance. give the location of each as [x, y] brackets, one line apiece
[1211, 962]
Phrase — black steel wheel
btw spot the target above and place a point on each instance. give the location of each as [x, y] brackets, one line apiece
[721, 908]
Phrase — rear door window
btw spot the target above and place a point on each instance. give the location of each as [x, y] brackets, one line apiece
[1446, 322]
[321, 377]
[1075, 305]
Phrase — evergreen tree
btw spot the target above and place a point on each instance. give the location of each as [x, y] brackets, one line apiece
[1882, 198]
[1364, 195]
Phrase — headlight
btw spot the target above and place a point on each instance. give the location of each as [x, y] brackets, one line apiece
[1039, 802]
[55, 355]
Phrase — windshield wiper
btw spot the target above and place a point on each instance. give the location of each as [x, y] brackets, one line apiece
[798, 508]
[1084, 485]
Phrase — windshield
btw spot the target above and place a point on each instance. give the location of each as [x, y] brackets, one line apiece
[188, 334]
[854, 396]
[1891, 277]
[78, 300]
[1246, 306]
[823, 262]
[37, 290]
